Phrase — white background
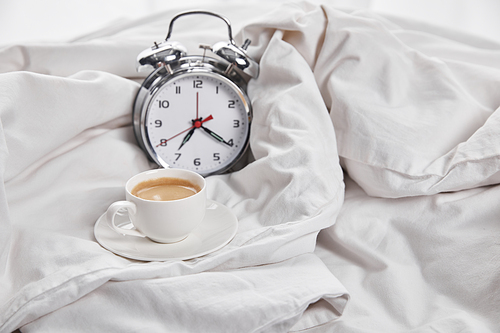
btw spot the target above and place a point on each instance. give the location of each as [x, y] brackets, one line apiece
[23, 21]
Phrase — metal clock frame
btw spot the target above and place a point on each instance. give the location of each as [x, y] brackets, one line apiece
[170, 60]
[161, 76]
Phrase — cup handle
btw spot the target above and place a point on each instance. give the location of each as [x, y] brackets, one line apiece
[111, 213]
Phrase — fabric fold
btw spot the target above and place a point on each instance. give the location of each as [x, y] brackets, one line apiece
[82, 156]
[404, 118]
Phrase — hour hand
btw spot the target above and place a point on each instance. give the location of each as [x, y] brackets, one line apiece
[187, 137]
[216, 136]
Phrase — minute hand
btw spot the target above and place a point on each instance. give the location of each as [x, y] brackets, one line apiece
[196, 123]
[216, 136]
[187, 137]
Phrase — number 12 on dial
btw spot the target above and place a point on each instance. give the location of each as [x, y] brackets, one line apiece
[198, 121]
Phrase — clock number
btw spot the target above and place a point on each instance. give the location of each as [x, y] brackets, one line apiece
[216, 156]
[197, 84]
[158, 123]
[231, 104]
[178, 156]
[163, 104]
[177, 89]
[217, 89]
[163, 142]
[230, 142]
[197, 162]
[236, 123]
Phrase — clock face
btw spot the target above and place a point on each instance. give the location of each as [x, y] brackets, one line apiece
[198, 121]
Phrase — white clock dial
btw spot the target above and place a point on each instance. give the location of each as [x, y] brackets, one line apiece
[198, 121]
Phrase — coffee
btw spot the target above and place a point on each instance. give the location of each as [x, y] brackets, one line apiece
[165, 189]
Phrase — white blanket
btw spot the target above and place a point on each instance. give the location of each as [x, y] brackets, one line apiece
[408, 114]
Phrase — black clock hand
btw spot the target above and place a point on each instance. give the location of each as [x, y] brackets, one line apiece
[196, 123]
[216, 136]
[187, 137]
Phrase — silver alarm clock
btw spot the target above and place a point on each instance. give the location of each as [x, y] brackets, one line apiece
[192, 111]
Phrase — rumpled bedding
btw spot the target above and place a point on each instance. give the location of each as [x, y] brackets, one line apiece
[371, 202]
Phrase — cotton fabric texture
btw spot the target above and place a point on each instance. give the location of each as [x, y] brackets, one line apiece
[371, 202]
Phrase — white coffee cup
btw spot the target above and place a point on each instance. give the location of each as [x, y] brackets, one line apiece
[161, 221]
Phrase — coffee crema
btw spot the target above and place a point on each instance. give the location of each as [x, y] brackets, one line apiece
[165, 189]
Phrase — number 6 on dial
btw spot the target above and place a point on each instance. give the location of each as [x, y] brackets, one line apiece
[192, 112]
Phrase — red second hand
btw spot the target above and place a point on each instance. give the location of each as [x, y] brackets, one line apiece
[207, 118]
[196, 122]
[175, 135]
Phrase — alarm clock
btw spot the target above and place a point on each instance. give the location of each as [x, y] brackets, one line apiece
[192, 111]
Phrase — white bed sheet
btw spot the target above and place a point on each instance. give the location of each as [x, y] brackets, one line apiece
[408, 228]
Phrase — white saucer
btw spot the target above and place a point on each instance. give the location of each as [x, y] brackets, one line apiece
[215, 231]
